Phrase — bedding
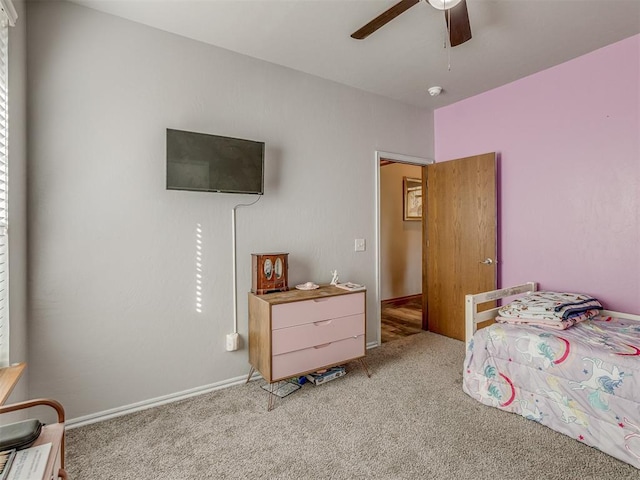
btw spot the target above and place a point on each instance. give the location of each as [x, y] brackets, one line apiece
[550, 309]
[556, 324]
[583, 381]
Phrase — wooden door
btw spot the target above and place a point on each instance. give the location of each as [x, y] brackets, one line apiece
[460, 239]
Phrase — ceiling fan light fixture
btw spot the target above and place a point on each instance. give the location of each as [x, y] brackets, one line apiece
[443, 4]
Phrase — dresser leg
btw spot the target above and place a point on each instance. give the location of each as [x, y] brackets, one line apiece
[251, 372]
[271, 398]
[364, 367]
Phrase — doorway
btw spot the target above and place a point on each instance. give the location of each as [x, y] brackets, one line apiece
[398, 245]
[459, 231]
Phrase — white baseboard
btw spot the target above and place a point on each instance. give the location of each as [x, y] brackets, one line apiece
[156, 402]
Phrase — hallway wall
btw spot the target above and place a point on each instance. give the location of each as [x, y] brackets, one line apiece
[400, 240]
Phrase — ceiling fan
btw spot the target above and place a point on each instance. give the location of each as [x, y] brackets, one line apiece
[455, 14]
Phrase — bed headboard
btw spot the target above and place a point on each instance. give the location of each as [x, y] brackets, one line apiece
[473, 317]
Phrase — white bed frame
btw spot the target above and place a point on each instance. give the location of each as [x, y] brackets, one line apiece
[473, 317]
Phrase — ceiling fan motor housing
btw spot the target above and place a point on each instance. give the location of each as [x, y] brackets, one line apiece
[443, 4]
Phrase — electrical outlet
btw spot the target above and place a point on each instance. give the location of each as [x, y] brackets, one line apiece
[360, 245]
[232, 342]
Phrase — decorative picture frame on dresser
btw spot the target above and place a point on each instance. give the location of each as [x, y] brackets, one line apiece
[269, 272]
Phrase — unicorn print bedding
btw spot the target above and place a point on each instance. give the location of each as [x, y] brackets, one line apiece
[583, 381]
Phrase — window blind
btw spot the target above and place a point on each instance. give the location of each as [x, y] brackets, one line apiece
[4, 224]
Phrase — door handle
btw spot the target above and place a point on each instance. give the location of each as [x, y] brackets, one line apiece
[487, 261]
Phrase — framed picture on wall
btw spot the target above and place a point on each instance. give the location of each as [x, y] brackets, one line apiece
[412, 198]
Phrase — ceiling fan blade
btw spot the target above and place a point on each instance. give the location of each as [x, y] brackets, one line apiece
[384, 18]
[460, 28]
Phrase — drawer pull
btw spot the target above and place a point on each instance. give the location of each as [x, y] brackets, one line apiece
[322, 323]
[323, 345]
[318, 300]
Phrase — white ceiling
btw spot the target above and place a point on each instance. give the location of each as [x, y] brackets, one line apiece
[511, 38]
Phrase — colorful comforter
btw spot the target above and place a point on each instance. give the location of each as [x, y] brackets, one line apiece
[583, 381]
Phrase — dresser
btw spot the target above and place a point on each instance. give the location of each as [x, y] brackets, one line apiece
[301, 331]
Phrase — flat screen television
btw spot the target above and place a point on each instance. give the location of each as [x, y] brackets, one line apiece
[211, 163]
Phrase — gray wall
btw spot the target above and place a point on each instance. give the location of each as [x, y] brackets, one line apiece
[400, 241]
[18, 196]
[113, 254]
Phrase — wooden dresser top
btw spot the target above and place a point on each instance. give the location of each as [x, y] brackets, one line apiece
[295, 295]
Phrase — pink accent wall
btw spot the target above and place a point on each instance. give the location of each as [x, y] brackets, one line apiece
[568, 144]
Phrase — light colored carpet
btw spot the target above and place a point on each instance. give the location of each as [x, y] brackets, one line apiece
[410, 420]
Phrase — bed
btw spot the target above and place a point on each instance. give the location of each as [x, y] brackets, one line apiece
[583, 381]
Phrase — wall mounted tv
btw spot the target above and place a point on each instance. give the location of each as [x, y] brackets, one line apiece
[211, 163]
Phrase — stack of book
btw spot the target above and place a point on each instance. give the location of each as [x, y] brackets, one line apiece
[24, 464]
[6, 458]
[326, 376]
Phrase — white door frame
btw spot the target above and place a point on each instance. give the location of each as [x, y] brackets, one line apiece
[397, 158]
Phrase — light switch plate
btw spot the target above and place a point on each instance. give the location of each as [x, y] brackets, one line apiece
[360, 245]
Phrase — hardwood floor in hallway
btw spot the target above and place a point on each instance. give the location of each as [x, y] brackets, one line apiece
[401, 317]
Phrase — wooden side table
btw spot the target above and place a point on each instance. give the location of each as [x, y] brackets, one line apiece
[9, 376]
[53, 434]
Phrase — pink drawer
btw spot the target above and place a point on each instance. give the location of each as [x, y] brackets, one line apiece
[309, 311]
[317, 333]
[314, 358]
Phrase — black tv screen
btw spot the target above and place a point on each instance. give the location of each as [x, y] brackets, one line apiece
[211, 163]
